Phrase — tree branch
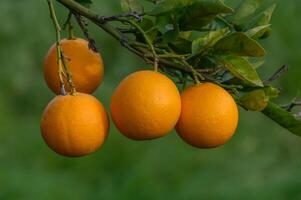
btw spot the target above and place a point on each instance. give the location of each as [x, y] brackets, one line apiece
[275, 112]
[131, 46]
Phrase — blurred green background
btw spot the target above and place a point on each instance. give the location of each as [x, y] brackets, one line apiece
[262, 161]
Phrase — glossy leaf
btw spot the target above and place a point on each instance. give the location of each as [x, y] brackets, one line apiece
[239, 44]
[208, 40]
[263, 18]
[258, 31]
[242, 69]
[244, 10]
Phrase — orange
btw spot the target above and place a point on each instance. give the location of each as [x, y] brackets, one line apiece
[209, 116]
[74, 125]
[145, 105]
[85, 65]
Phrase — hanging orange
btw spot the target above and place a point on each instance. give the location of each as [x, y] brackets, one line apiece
[86, 66]
[145, 105]
[209, 116]
[74, 125]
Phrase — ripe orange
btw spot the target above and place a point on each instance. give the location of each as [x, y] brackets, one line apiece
[85, 65]
[74, 125]
[209, 116]
[145, 105]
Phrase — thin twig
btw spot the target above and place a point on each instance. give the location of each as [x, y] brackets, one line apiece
[68, 24]
[289, 107]
[63, 68]
[83, 27]
[147, 40]
[278, 74]
[137, 16]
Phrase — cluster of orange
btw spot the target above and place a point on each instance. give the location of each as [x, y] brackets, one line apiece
[145, 105]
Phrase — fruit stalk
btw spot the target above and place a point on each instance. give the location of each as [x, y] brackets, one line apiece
[69, 26]
[63, 68]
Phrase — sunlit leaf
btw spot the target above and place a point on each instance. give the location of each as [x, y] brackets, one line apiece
[258, 31]
[241, 69]
[208, 40]
[263, 18]
[239, 44]
[244, 10]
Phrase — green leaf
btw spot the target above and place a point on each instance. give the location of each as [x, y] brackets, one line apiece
[239, 44]
[271, 91]
[181, 45]
[191, 14]
[255, 100]
[150, 30]
[240, 68]
[257, 64]
[263, 18]
[169, 6]
[258, 31]
[201, 13]
[244, 10]
[171, 36]
[163, 23]
[208, 40]
[131, 6]
[86, 3]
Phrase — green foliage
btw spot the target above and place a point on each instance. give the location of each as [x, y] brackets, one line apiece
[204, 31]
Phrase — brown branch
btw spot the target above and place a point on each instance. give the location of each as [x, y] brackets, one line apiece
[289, 107]
[83, 26]
[278, 74]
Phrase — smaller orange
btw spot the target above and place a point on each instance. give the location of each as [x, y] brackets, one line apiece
[74, 125]
[86, 66]
[209, 116]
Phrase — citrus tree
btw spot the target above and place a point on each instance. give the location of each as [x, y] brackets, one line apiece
[204, 43]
